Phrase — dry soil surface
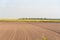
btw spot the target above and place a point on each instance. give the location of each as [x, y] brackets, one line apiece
[29, 31]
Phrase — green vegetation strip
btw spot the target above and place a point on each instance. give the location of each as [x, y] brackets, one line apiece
[29, 20]
[16, 20]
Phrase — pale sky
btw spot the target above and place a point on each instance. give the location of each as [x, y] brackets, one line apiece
[30, 8]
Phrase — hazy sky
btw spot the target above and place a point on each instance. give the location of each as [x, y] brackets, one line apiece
[29, 8]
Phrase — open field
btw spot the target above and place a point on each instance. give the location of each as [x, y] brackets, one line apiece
[48, 25]
[29, 31]
[29, 20]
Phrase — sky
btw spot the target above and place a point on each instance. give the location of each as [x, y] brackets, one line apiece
[29, 8]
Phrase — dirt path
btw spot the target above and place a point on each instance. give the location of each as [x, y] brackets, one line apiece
[26, 31]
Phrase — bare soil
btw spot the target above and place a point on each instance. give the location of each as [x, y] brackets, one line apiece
[29, 31]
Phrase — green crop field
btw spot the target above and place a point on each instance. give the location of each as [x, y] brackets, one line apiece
[30, 20]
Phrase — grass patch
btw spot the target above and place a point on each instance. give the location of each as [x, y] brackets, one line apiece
[29, 20]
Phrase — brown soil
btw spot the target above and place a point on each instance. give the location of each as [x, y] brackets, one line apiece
[29, 31]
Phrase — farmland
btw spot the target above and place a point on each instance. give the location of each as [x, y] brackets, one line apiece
[30, 20]
[29, 29]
